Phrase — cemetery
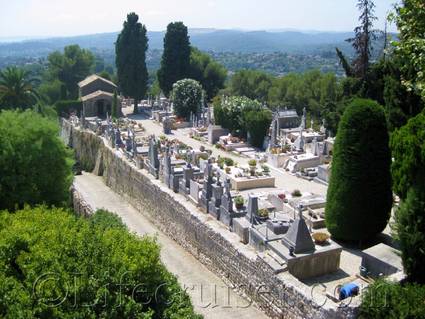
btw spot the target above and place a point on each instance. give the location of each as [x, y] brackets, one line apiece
[282, 229]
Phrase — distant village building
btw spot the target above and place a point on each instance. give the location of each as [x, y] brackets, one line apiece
[97, 95]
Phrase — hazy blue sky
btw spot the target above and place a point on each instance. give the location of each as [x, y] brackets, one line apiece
[73, 17]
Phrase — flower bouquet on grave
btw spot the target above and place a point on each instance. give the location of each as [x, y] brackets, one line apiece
[263, 213]
[321, 238]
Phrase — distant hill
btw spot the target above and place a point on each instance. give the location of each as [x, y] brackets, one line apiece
[205, 39]
[274, 51]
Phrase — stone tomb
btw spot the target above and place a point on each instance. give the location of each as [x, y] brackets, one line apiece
[215, 202]
[195, 189]
[171, 173]
[241, 228]
[184, 184]
[303, 257]
[207, 190]
[381, 260]
[152, 163]
[227, 211]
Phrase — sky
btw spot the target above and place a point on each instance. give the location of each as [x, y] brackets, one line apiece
[33, 18]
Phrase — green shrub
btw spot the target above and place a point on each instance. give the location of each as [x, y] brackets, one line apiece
[230, 113]
[55, 265]
[409, 228]
[35, 165]
[385, 300]
[65, 107]
[408, 150]
[228, 161]
[359, 197]
[257, 124]
[106, 220]
[187, 97]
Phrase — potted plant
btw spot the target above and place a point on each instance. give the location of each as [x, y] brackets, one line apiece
[263, 213]
[266, 169]
[252, 166]
[252, 162]
[296, 193]
[239, 202]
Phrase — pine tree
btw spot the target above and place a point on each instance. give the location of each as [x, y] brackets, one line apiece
[175, 62]
[130, 60]
[364, 36]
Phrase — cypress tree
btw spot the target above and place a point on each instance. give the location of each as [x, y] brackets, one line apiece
[175, 62]
[408, 170]
[130, 60]
[359, 197]
[114, 111]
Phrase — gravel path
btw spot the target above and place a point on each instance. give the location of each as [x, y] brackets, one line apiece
[284, 180]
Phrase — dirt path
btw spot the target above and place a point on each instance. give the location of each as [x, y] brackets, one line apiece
[208, 292]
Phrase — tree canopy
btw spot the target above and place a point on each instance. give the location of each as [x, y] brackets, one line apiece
[359, 197]
[408, 151]
[187, 97]
[364, 36]
[252, 84]
[17, 89]
[70, 67]
[175, 62]
[35, 166]
[229, 112]
[130, 49]
[410, 20]
[55, 265]
[208, 72]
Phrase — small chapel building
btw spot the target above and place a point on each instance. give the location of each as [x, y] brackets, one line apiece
[97, 95]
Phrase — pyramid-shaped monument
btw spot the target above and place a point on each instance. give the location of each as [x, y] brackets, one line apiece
[298, 236]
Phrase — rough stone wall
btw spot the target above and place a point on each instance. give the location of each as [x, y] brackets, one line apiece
[79, 205]
[180, 220]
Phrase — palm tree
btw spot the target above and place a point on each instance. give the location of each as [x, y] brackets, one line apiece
[16, 89]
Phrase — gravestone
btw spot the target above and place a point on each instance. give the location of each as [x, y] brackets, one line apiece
[215, 132]
[175, 177]
[298, 238]
[167, 169]
[195, 188]
[252, 209]
[274, 129]
[167, 124]
[153, 160]
[118, 140]
[227, 213]
[217, 193]
[184, 185]
[207, 190]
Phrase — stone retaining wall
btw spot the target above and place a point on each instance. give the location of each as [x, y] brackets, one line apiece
[207, 240]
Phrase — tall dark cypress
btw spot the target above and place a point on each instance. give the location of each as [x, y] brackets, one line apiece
[130, 49]
[175, 62]
[359, 197]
